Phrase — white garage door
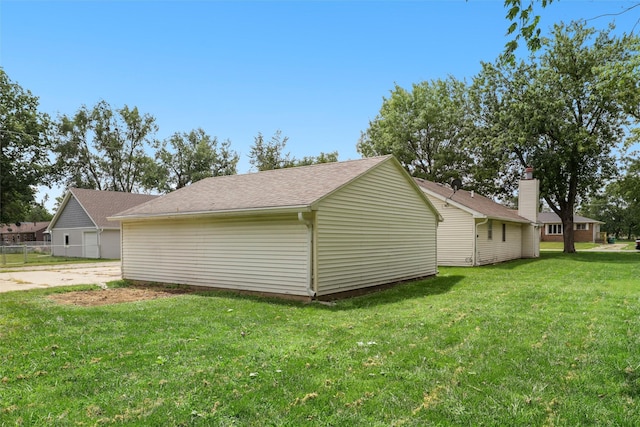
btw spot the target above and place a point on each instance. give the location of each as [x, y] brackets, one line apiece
[90, 244]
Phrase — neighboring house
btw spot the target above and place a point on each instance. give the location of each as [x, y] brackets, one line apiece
[584, 229]
[80, 228]
[302, 232]
[477, 231]
[23, 232]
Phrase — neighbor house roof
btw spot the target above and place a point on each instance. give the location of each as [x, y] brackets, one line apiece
[99, 205]
[297, 188]
[553, 218]
[24, 227]
[477, 205]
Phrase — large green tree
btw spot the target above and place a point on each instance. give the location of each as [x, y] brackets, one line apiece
[105, 149]
[618, 205]
[185, 158]
[24, 150]
[566, 113]
[610, 207]
[424, 128]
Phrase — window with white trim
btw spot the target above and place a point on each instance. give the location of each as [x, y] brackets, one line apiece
[490, 229]
[554, 228]
[504, 232]
[581, 226]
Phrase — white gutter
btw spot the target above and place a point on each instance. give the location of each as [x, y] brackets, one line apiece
[475, 241]
[99, 242]
[309, 225]
[229, 212]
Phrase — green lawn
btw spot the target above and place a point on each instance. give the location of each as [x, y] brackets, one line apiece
[18, 260]
[580, 246]
[547, 342]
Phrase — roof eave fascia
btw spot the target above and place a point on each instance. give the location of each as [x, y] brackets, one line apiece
[453, 203]
[503, 219]
[222, 213]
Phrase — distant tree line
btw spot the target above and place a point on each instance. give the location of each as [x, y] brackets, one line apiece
[107, 148]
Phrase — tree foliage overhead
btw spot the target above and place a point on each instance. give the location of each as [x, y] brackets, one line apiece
[104, 149]
[185, 158]
[24, 150]
[424, 128]
[523, 24]
[563, 113]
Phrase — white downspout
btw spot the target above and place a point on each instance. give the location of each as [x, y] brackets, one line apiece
[475, 241]
[99, 242]
[309, 225]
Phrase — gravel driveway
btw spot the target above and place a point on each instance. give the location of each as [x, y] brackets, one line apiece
[32, 277]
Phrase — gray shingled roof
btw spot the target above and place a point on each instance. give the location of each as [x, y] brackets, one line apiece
[553, 218]
[477, 204]
[100, 205]
[297, 187]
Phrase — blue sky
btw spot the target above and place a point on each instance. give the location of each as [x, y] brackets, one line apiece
[316, 70]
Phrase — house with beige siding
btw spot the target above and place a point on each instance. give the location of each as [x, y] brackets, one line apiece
[80, 227]
[305, 232]
[584, 229]
[478, 231]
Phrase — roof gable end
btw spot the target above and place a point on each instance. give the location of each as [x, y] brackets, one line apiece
[99, 205]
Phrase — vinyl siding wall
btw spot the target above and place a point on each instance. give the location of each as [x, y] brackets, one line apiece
[455, 235]
[529, 199]
[74, 216]
[74, 221]
[374, 231]
[530, 241]
[76, 244]
[495, 250]
[268, 254]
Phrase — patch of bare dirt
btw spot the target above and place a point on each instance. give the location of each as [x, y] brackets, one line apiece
[117, 295]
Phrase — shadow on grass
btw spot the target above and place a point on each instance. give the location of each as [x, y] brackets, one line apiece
[373, 296]
[509, 265]
[400, 292]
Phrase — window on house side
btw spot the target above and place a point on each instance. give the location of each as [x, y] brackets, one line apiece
[66, 240]
[581, 227]
[504, 232]
[554, 228]
[490, 230]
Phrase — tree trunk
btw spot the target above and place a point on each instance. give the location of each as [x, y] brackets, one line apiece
[567, 233]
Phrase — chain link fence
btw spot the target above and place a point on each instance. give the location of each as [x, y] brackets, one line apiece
[31, 252]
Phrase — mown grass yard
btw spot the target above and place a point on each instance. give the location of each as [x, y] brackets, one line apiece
[8, 261]
[547, 342]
